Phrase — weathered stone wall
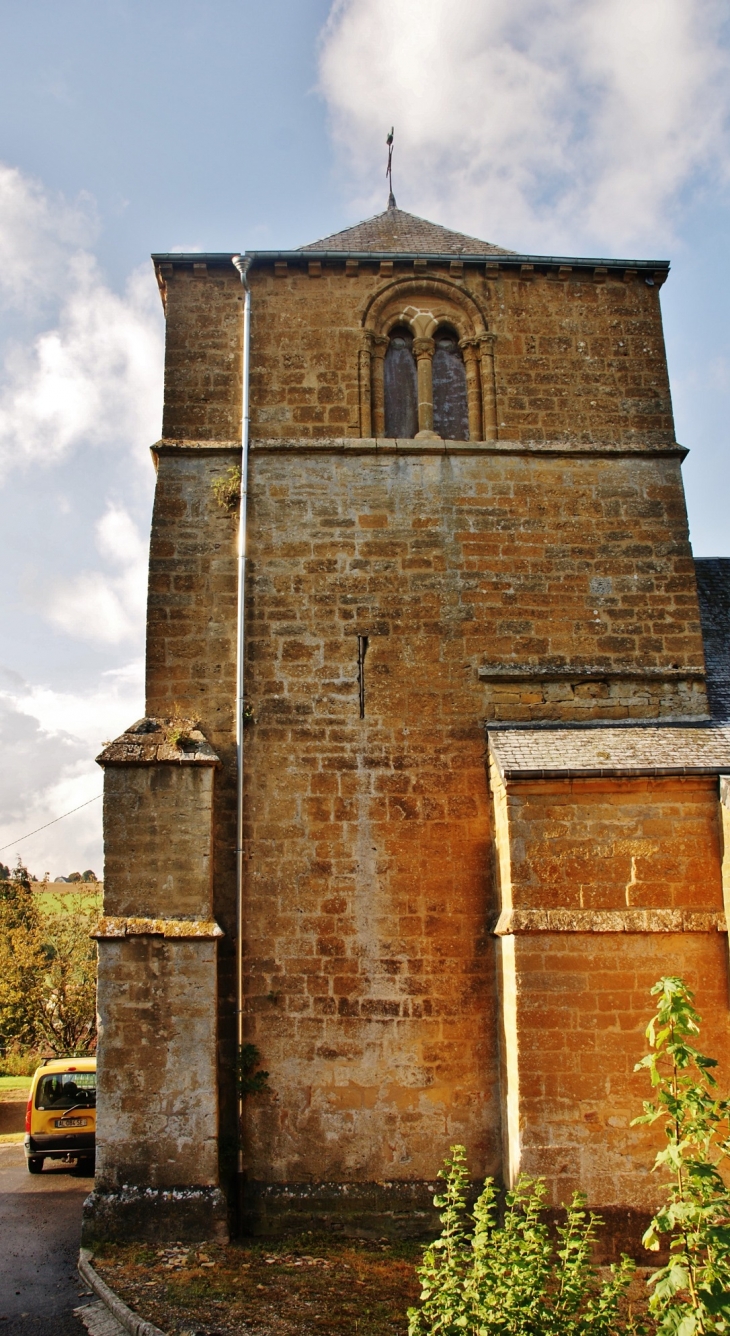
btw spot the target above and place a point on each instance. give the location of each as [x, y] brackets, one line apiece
[157, 859]
[574, 360]
[371, 991]
[203, 308]
[569, 561]
[158, 1123]
[604, 886]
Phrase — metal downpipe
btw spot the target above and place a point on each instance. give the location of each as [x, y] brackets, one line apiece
[242, 263]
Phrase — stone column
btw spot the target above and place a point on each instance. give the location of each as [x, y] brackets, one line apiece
[489, 392]
[379, 347]
[366, 413]
[423, 350]
[470, 350]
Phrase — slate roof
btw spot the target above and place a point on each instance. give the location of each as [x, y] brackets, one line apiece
[556, 753]
[713, 588]
[395, 230]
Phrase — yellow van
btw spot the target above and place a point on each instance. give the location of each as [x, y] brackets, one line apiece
[60, 1120]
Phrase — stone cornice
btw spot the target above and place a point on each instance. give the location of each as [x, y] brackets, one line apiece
[520, 921]
[187, 929]
[654, 272]
[169, 446]
[587, 673]
[439, 446]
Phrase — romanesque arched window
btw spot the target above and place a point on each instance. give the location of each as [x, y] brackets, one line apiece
[400, 384]
[450, 408]
[426, 363]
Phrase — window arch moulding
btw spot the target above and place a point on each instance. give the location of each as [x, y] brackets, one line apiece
[424, 306]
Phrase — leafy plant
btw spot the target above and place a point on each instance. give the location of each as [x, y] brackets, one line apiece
[509, 1278]
[250, 1081]
[227, 490]
[691, 1294]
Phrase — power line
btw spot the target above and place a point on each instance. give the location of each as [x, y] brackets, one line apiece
[50, 823]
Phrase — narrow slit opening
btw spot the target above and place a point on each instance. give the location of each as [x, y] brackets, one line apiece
[362, 649]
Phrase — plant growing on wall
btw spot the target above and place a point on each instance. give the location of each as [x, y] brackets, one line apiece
[511, 1278]
[227, 489]
[250, 1081]
[691, 1294]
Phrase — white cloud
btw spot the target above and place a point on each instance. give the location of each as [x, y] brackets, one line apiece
[49, 740]
[80, 400]
[543, 123]
[39, 235]
[94, 378]
[91, 371]
[100, 606]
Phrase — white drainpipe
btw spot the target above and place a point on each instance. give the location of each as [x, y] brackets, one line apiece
[242, 263]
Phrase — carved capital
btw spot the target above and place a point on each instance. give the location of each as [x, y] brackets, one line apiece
[486, 342]
[379, 345]
[423, 348]
[470, 349]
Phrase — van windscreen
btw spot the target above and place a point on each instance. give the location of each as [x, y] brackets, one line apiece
[66, 1090]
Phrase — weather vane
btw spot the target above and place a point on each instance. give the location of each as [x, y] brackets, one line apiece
[389, 170]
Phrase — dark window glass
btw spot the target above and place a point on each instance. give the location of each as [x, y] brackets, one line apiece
[66, 1090]
[450, 412]
[401, 385]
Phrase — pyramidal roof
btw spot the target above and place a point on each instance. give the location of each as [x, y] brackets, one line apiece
[395, 230]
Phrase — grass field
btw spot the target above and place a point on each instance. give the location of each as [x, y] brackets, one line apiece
[19, 1083]
[56, 901]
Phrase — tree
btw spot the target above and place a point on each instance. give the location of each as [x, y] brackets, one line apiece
[47, 970]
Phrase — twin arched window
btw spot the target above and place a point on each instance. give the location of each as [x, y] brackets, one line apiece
[448, 378]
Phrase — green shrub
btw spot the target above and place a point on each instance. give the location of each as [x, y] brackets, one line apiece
[692, 1293]
[16, 1063]
[510, 1278]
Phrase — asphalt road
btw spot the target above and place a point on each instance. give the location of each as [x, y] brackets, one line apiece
[40, 1224]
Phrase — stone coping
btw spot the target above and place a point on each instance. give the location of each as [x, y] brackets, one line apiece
[181, 928]
[152, 740]
[518, 921]
[136, 1326]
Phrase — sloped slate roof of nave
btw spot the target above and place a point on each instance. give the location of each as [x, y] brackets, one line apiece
[713, 588]
[606, 751]
[395, 230]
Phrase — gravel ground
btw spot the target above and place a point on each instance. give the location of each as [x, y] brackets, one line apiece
[303, 1286]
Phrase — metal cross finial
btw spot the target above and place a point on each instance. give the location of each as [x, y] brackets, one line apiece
[389, 170]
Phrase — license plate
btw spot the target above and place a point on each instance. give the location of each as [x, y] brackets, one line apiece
[71, 1122]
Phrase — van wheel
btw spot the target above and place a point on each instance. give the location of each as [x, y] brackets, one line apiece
[35, 1164]
[85, 1166]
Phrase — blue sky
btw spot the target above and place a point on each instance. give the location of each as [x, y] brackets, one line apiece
[595, 127]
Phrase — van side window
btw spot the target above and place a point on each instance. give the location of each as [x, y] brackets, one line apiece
[450, 410]
[400, 385]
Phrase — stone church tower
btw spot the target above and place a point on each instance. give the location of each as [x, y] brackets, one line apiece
[482, 783]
